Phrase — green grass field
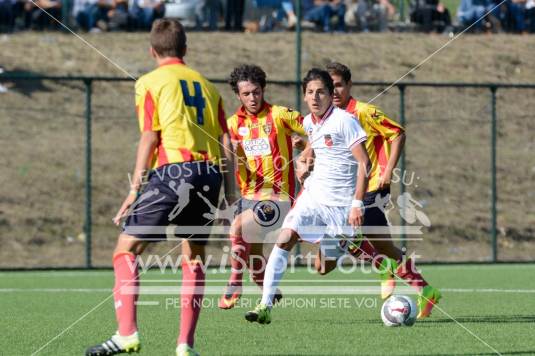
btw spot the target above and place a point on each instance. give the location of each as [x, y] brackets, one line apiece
[492, 304]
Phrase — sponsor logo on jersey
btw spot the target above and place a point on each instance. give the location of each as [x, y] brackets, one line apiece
[328, 140]
[267, 128]
[257, 147]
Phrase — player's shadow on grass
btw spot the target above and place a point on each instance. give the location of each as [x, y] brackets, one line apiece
[483, 319]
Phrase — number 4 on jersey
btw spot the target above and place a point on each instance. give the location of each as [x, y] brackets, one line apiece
[196, 100]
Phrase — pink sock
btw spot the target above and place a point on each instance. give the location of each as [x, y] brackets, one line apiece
[368, 253]
[240, 257]
[191, 301]
[407, 271]
[125, 292]
[257, 269]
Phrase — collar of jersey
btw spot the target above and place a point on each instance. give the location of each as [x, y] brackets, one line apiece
[242, 112]
[174, 60]
[324, 117]
[351, 104]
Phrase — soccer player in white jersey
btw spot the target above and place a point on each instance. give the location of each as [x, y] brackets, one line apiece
[330, 205]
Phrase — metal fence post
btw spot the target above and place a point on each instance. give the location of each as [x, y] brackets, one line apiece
[402, 164]
[88, 217]
[298, 57]
[494, 198]
[65, 9]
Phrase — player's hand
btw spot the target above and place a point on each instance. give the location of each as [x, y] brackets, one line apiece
[301, 171]
[384, 180]
[298, 142]
[356, 217]
[123, 211]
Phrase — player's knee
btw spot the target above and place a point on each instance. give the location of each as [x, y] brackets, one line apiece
[324, 267]
[287, 239]
[235, 229]
[129, 244]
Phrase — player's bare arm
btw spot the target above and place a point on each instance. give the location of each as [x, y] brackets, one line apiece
[227, 146]
[395, 153]
[304, 163]
[356, 216]
[147, 143]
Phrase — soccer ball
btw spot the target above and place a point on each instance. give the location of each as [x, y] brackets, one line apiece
[399, 310]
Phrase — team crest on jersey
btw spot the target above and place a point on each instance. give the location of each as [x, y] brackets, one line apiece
[267, 128]
[328, 140]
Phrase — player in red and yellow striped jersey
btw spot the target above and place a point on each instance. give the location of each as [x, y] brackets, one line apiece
[183, 128]
[384, 145]
[262, 136]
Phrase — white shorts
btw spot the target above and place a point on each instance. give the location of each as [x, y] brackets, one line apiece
[318, 223]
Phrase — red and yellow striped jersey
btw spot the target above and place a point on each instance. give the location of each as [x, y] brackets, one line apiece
[381, 131]
[185, 109]
[264, 149]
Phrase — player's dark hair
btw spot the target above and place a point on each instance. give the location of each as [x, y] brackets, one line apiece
[336, 68]
[319, 74]
[168, 38]
[247, 73]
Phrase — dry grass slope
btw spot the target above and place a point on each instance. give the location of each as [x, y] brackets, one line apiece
[41, 190]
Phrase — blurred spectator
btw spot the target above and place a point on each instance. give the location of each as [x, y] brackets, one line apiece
[92, 15]
[530, 15]
[431, 15]
[320, 12]
[517, 14]
[470, 11]
[36, 18]
[3, 89]
[373, 15]
[208, 11]
[281, 13]
[7, 15]
[234, 15]
[144, 12]
[118, 16]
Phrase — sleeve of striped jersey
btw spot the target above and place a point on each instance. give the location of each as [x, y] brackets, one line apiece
[386, 127]
[221, 116]
[232, 128]
[353, 133]
[146, 108]
[294, 122]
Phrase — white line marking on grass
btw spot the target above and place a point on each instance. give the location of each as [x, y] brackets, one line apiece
[254, 289]
[55, 290]
[148, 303]
[487, 290]
[48, 274]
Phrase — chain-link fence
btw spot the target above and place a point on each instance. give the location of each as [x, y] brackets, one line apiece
[69, 143]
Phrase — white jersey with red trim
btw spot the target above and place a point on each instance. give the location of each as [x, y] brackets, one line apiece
[333, 180]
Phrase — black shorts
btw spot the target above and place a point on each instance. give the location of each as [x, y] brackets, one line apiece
[375, 203]
[182, 194]
[245, 204]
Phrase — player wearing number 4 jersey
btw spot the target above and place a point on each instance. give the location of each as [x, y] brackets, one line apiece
[261, 134]
[183, 128]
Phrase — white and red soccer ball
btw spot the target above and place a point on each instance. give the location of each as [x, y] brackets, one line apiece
[399, 310]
